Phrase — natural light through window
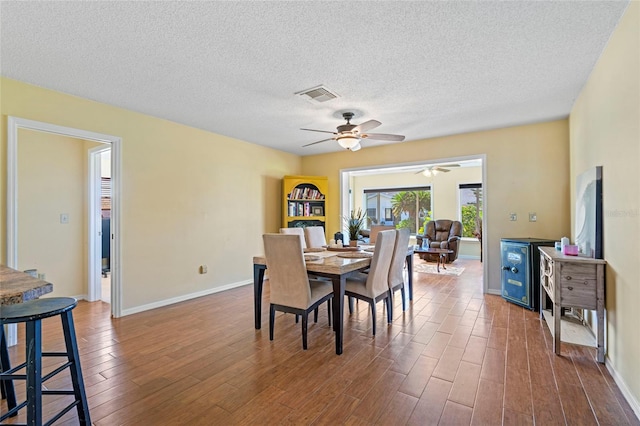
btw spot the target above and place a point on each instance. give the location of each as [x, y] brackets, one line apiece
[470, 208]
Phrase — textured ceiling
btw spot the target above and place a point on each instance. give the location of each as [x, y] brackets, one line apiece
[423, 69]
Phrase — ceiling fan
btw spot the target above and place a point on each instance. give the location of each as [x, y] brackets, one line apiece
[434, 170]
[349, 135]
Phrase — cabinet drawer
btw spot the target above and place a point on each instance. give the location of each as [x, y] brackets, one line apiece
[578, 286]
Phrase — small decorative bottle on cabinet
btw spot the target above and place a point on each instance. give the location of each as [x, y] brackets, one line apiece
[304, 199]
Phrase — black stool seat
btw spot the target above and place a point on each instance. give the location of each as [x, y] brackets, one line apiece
[36, 309]
[31, 313]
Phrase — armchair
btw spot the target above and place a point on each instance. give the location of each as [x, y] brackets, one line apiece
[442, 233]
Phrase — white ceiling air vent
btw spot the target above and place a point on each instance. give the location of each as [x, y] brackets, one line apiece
[318, 94]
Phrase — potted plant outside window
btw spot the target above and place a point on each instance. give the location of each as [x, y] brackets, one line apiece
[355, 223]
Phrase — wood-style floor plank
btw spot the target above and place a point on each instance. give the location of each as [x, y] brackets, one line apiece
[455, 356]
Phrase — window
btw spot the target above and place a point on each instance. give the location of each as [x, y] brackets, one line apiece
[401, 207]
[470, 208]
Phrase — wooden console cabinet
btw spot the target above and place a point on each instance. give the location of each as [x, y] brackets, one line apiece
[572, 281]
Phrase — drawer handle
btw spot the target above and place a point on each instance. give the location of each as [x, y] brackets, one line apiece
[568, 278]
[570, 288]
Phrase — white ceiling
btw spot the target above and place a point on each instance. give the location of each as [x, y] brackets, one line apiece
[423, 69]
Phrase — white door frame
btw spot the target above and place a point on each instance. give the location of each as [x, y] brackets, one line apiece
[346, 200]
[13, 125]
[94, 223]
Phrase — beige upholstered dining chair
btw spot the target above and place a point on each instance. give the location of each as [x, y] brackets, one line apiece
[374, 285]
[291, 290]
[315, 236]
[396, 275]
[295, 231]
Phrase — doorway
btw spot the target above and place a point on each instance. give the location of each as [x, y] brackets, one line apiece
[107, 142]
[356, 183]
[99, 206]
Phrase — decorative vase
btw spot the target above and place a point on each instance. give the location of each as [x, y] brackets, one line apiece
[353, 243]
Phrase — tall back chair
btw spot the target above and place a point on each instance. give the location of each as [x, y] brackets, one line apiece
[376, 229]
[290, 288]
[396, 275]
[374, 285]
[315, 236]
[444, 234]
[295, 231]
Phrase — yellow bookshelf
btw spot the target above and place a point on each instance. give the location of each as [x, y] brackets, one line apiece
[303, 201]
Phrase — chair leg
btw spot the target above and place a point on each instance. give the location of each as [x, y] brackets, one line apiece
[8, 391]
[404, 302]
[33, 344]
[272, 320]
[373, 315]
[329, 313]
[315, 315]
[350, 305]
[76, 372]
[305, 319]
[389, 302]
[297, 318]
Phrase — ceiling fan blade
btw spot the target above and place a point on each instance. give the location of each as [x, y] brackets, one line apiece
[441, 169]
[383, 137]
[313, 143]
[321, 131]
[449, 165]
[367, 125]
[421, 171]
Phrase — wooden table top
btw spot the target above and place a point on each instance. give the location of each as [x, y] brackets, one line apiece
[17, 286]
[329, 263]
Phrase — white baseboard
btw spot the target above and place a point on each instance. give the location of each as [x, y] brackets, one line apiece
[182, 298]
[468, 256]
[496, 291]
[633, 402]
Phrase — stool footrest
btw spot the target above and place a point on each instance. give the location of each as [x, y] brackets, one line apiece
[54, 354]
[56, 371]
[61, 413]
[57, 392]
[13, 411]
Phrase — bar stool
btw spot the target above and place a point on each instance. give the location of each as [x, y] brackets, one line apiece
[32, 313]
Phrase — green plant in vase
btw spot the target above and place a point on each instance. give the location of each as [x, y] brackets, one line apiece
[355, 223]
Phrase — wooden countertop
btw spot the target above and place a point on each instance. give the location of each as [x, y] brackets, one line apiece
[17, 286]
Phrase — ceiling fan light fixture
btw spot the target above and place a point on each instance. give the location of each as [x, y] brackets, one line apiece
[356, 147]
[426, 173]
[348, 141]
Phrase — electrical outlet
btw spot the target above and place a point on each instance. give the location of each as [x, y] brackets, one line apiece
[532, 217]
[513, 216]
[203, 269]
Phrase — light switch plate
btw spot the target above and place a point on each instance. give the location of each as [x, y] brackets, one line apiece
[533, 217]
[64, 218]
[513, 216]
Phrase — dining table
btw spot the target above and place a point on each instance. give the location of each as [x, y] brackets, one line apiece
[328, 265]
[15, 287]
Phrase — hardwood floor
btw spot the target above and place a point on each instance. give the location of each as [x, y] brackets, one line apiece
[454, 357]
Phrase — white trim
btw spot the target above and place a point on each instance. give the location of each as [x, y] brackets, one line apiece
[345, 198]
[633, 402]
[166, 302]
[94, 226]
[468, 256]
[495, 291]
[13, 125]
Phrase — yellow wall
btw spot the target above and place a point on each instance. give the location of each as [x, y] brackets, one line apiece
[51, 176]
[189, 197]
[527, 171]
[605, 131]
